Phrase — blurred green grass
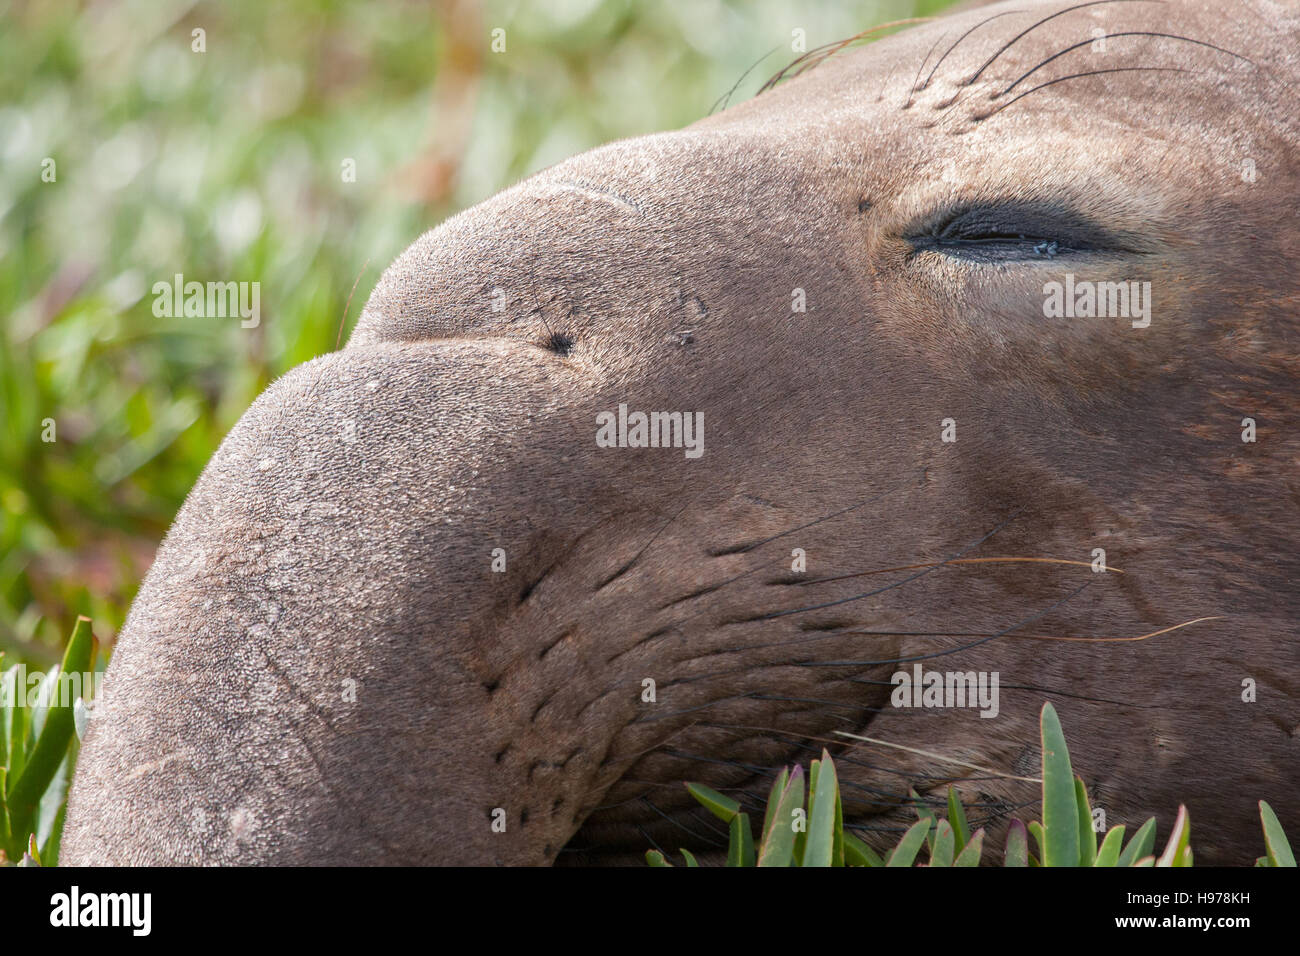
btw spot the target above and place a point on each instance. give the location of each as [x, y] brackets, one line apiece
[227, 165]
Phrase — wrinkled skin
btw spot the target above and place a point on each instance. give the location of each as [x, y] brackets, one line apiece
[323, 667]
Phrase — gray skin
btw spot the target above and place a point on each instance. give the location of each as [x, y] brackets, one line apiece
[323, 667]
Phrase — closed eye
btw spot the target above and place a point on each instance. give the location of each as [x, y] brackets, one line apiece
[1008, 232]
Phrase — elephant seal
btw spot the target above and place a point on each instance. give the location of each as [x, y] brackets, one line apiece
[438, 598]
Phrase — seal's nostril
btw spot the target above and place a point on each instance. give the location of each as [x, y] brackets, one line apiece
[560, 344]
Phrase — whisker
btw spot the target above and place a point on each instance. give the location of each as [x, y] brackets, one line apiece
[676, 625]
[1021, 637]
[833, 48]
[952, 650]
[829, 635]
[801, 742]
[1109, 36]
[896, 584]
[754, 803]
[1023, 33]
[710, 838]
[1075, 76]
[649, 839]
[725, 99]
[857, 663]
[816, 521]
[836, 633]
[817, 700]
[690, 710]
[938, 756]
[601, 786]
[1031, 688]
[889, 799]
[936, 564]
[925, 59]
[786, 70]
[347, 307]
[939, 61]
[750, 768]
[832, 634]
[1117, 640]
[637, 557]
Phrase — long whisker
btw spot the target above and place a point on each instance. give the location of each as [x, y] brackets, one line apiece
[952, 650]
[1038, 689]
[831, 49]
[900, 660]
[807, 742]
[816, 521]
[936, 564]
[1116, 640]
[840, 633]
[896, 584]
[711, 837]
[725, 99]
[886, 798]
[1025, 32]
[1075, 76]
[937, 756]
[1110, 36]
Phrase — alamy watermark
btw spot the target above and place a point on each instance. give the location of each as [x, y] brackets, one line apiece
[1084, 299]
[20, 688]
[922, 688]
[210, 300]
[651, 430]
[130, 910]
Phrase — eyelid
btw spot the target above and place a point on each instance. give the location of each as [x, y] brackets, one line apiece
[1013, 227]
[1010, 249]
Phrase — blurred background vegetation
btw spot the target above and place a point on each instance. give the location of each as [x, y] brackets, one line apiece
[227, 165]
